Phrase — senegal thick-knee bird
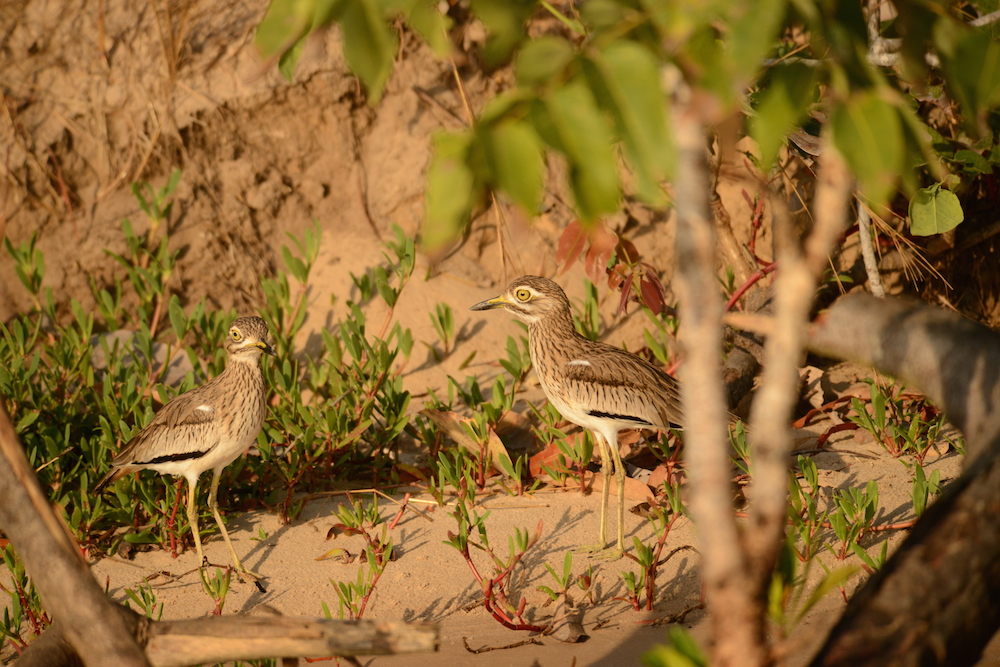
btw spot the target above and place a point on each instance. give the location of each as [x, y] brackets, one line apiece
[597, 386]
[206, 428]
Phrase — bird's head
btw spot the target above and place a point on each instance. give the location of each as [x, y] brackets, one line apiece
[249, 335]
[532, 299]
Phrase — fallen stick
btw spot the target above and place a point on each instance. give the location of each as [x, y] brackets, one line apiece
[228, 638]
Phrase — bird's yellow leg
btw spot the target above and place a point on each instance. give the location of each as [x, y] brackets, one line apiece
[606, 472]
[192, 513]
[615, 554]
[213, 503]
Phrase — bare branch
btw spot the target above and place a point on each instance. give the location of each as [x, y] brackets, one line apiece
[737, 623]
[70, 594]
[937, 600]
[228, 638]
[868, 251]
[801, 267]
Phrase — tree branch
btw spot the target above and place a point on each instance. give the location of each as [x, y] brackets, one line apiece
[53, 561]
[937, 600]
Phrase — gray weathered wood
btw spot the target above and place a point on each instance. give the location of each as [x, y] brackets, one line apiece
[227, 638]
[937, 599]
[51, 559]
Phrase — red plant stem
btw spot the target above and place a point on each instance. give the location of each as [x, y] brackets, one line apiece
[489, 596]
[757, 204]
[651, 574]
[846, 426]
[750, 282]
[399, 514]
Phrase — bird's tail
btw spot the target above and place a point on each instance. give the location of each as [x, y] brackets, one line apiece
[113, 476]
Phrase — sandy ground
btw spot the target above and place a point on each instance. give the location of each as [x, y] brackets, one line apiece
[262, 158]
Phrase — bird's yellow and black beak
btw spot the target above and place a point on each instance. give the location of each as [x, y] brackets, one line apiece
[490, 304]
[266, 348]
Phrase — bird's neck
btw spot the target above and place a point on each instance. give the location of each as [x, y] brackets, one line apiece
[239, 362]
[558, 323]
[548, 338]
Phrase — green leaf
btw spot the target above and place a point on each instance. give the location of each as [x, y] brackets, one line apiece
[682, 651]
[628, 86]
[289, 59]
[972, 162]
[505, 20]
[369, 46]
[753, 30]
[710, 66]
[976, 87]
[869, 133]
[934, 210]
[27, 420]
[514, 154]
[584, 136]
[832, 580]
[783, 105]
[429, 24]
[287, 23]
[283, 24]
[542, 59]
[452, 189]
[178, 320]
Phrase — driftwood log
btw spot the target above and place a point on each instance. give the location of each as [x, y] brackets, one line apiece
[937, 600]
[70, 594]
[91, 630]
[227, 638]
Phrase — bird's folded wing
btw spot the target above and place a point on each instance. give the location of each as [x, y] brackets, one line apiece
[160, 443]
[182, 429]
[186, 410]
[642, 390]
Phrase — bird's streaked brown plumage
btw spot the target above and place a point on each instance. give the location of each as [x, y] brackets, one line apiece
[598, 386]
[206, 428]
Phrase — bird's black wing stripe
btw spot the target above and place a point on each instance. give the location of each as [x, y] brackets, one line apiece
[169, 458]
[611, 415]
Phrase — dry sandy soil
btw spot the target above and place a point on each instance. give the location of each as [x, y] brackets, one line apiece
[100, 94]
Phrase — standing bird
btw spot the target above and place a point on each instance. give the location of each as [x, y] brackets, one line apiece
[598, 386]
[207, 427]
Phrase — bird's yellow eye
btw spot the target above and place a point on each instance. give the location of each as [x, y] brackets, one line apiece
[522, 294]
[235, 334]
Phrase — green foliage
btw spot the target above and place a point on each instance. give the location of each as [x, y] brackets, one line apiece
[587, 317]
[603, 87]
[146, 601]
[789, 91]
[681, 651]
[934, 210]
[869, 133]
[853, 516]
[24, 618]
[923, 488]
[443, 320]
[472, 533]
[216, 587]
[29, 264]
[785, 604]
[563, 581]
[369, 44]
[357, 518]
[78, 393]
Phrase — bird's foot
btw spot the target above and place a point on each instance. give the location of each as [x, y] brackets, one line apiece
[609, 554]
[601, 551]
[255, 577]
